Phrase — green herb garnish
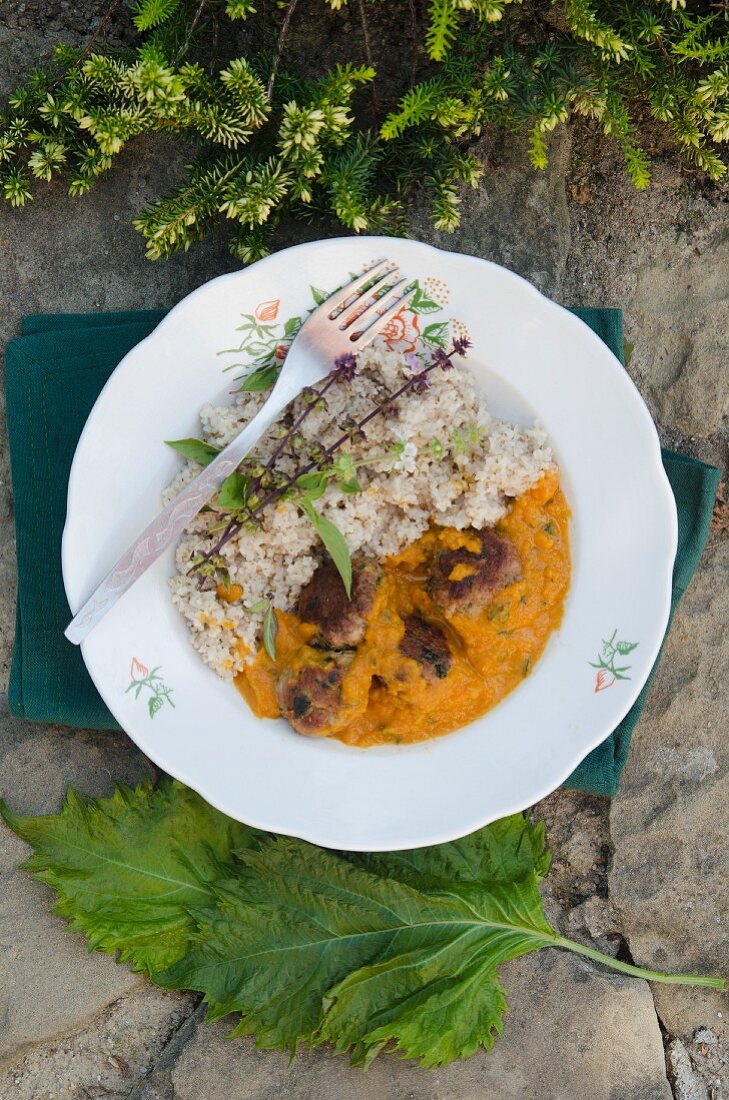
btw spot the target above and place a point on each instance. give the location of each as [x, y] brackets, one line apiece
[333, 540]
[242, 499]
[196, 450]
[436, 448]
[233, 493]
[344, 470]
[270, 631]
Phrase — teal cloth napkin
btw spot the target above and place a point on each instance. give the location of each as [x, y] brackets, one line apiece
[54, 373]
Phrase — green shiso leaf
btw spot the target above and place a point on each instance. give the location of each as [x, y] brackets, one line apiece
[196, 450]
[390, 951]
[132, 871]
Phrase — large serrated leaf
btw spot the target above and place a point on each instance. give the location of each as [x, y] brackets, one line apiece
[315, 945]
[131, 870]
[370, 952]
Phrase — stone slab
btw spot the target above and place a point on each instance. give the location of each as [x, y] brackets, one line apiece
[669, 822]
[107, 1058]
[571, 1032]
[518, 217]
[49, 984]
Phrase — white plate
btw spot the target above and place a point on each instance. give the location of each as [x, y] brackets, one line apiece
[533, 359]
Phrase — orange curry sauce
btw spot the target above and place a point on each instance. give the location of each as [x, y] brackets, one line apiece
[493, 650]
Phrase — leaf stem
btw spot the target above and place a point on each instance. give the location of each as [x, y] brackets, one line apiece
[413, 42]
[639, 971]
[368, 54]
[328, 383]
[389, 401]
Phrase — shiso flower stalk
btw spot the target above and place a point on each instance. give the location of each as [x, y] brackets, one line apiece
[313, 397]
[344, 371]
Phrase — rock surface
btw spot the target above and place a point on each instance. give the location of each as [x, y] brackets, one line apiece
[709, 1059]
[687, 1084]
[668, 823]
[107, 1058]
[682, 313]
[597, 1036]
[662, 255]
[518, 217]
[49, 984]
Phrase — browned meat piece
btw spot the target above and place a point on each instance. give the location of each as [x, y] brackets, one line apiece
[324, 602]
[477, 575]
[426, 644]
[310, 696]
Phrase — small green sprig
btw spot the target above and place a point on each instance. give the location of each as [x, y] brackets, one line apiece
[213, 568]
[269, 624]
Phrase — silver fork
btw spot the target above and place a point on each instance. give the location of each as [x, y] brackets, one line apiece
[339, 326]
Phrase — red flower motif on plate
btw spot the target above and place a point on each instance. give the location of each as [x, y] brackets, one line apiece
[604, 680]
[402, 329]
[138, 670]
[268, 311]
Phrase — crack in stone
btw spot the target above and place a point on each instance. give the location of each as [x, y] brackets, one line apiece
[170, 1052]
[625, 954]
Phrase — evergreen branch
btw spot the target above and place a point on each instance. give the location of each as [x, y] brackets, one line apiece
[441, 32]
[414, 108]
[310, 153]
[151, 13]
[191, 30]
[368, 52]
[176, 220]
[585, 23]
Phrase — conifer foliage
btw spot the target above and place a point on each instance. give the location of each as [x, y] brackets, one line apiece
[275, 139]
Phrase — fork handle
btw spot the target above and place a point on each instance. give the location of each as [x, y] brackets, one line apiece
[169, 524]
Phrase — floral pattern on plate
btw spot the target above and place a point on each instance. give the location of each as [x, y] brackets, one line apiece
[608, 671]
[264, 340]
[144, 680]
